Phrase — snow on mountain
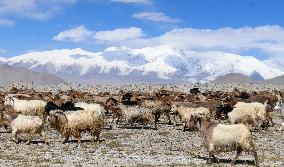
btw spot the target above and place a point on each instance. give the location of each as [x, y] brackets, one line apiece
[162, 62]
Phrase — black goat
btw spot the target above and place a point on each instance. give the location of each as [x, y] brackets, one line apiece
[67, 106]
[223, 111]
[194, 91]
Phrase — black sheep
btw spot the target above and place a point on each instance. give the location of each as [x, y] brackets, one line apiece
[223, 111]
[67, 106]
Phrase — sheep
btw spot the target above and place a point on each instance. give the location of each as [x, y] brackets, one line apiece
[67, 106]
[222, 111]
[98, 108]
[74, 123]
[188, 114]
[200, 97]
[194, 91]
[280, 107]
[20, 123]
[26, 107]
[158, 108]
[223, 138]
[253, 114]
[133, 114]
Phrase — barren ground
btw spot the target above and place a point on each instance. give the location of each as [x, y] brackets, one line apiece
[167, 146]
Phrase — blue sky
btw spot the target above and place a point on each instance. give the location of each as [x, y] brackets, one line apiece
[34, 25]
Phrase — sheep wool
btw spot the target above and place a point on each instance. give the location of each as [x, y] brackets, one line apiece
[74, 123]
[248, 113]
[26, 124]
[27, 107]
[228, 135]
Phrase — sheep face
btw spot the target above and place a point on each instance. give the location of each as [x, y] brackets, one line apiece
[9, 101]
[174, 107]
[50, 106]
[56, 120]
[278, 106]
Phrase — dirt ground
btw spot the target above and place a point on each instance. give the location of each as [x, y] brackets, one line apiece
[135, 146]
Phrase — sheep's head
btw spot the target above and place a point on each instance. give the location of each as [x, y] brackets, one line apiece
[279, 104]
[7, 117]
[174, 107]
[50, 106]
[57, 120]
[9, 101]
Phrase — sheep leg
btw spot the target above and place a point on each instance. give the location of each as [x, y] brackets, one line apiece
[115, 122]
[253, 150]
[270, 120]
[65, 139]
[14, 136]
[239, 151]
[157, 117]
[210, 155]
[43, 135]
[30, 138]
[256, 158]
[97, 136]
[175, 120]
[183, 126]
[78, 137]
[169, 119]
[155, 125]
[215, 159]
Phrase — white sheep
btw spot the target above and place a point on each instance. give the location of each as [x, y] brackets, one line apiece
[133, 114]
[26, 107]
[20, 123]
[98, 108]
[188, 114]
[280, 107]
[74, 123]
[223, 138]
[253, 114]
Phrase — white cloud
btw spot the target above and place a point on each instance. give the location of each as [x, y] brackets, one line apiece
[119, 34]
[81, 33]
[155, 16]
[6, 22]
[266, 38]
[36, 9]
[77, 34]
[144, 2]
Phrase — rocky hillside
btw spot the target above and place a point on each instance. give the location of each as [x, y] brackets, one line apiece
[10, 74]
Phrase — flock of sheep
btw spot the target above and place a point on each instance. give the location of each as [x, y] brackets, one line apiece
[226, 119]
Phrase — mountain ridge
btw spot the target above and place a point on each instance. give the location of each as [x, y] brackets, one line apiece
[161, 64]
[10, 74]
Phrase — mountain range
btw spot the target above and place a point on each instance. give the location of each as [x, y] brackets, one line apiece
[10, 74]
[160, 64]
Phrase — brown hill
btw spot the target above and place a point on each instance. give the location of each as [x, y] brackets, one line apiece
[10, 74]
[233, 78]
[275, 81]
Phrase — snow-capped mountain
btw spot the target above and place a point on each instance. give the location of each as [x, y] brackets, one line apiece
[152, 64]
